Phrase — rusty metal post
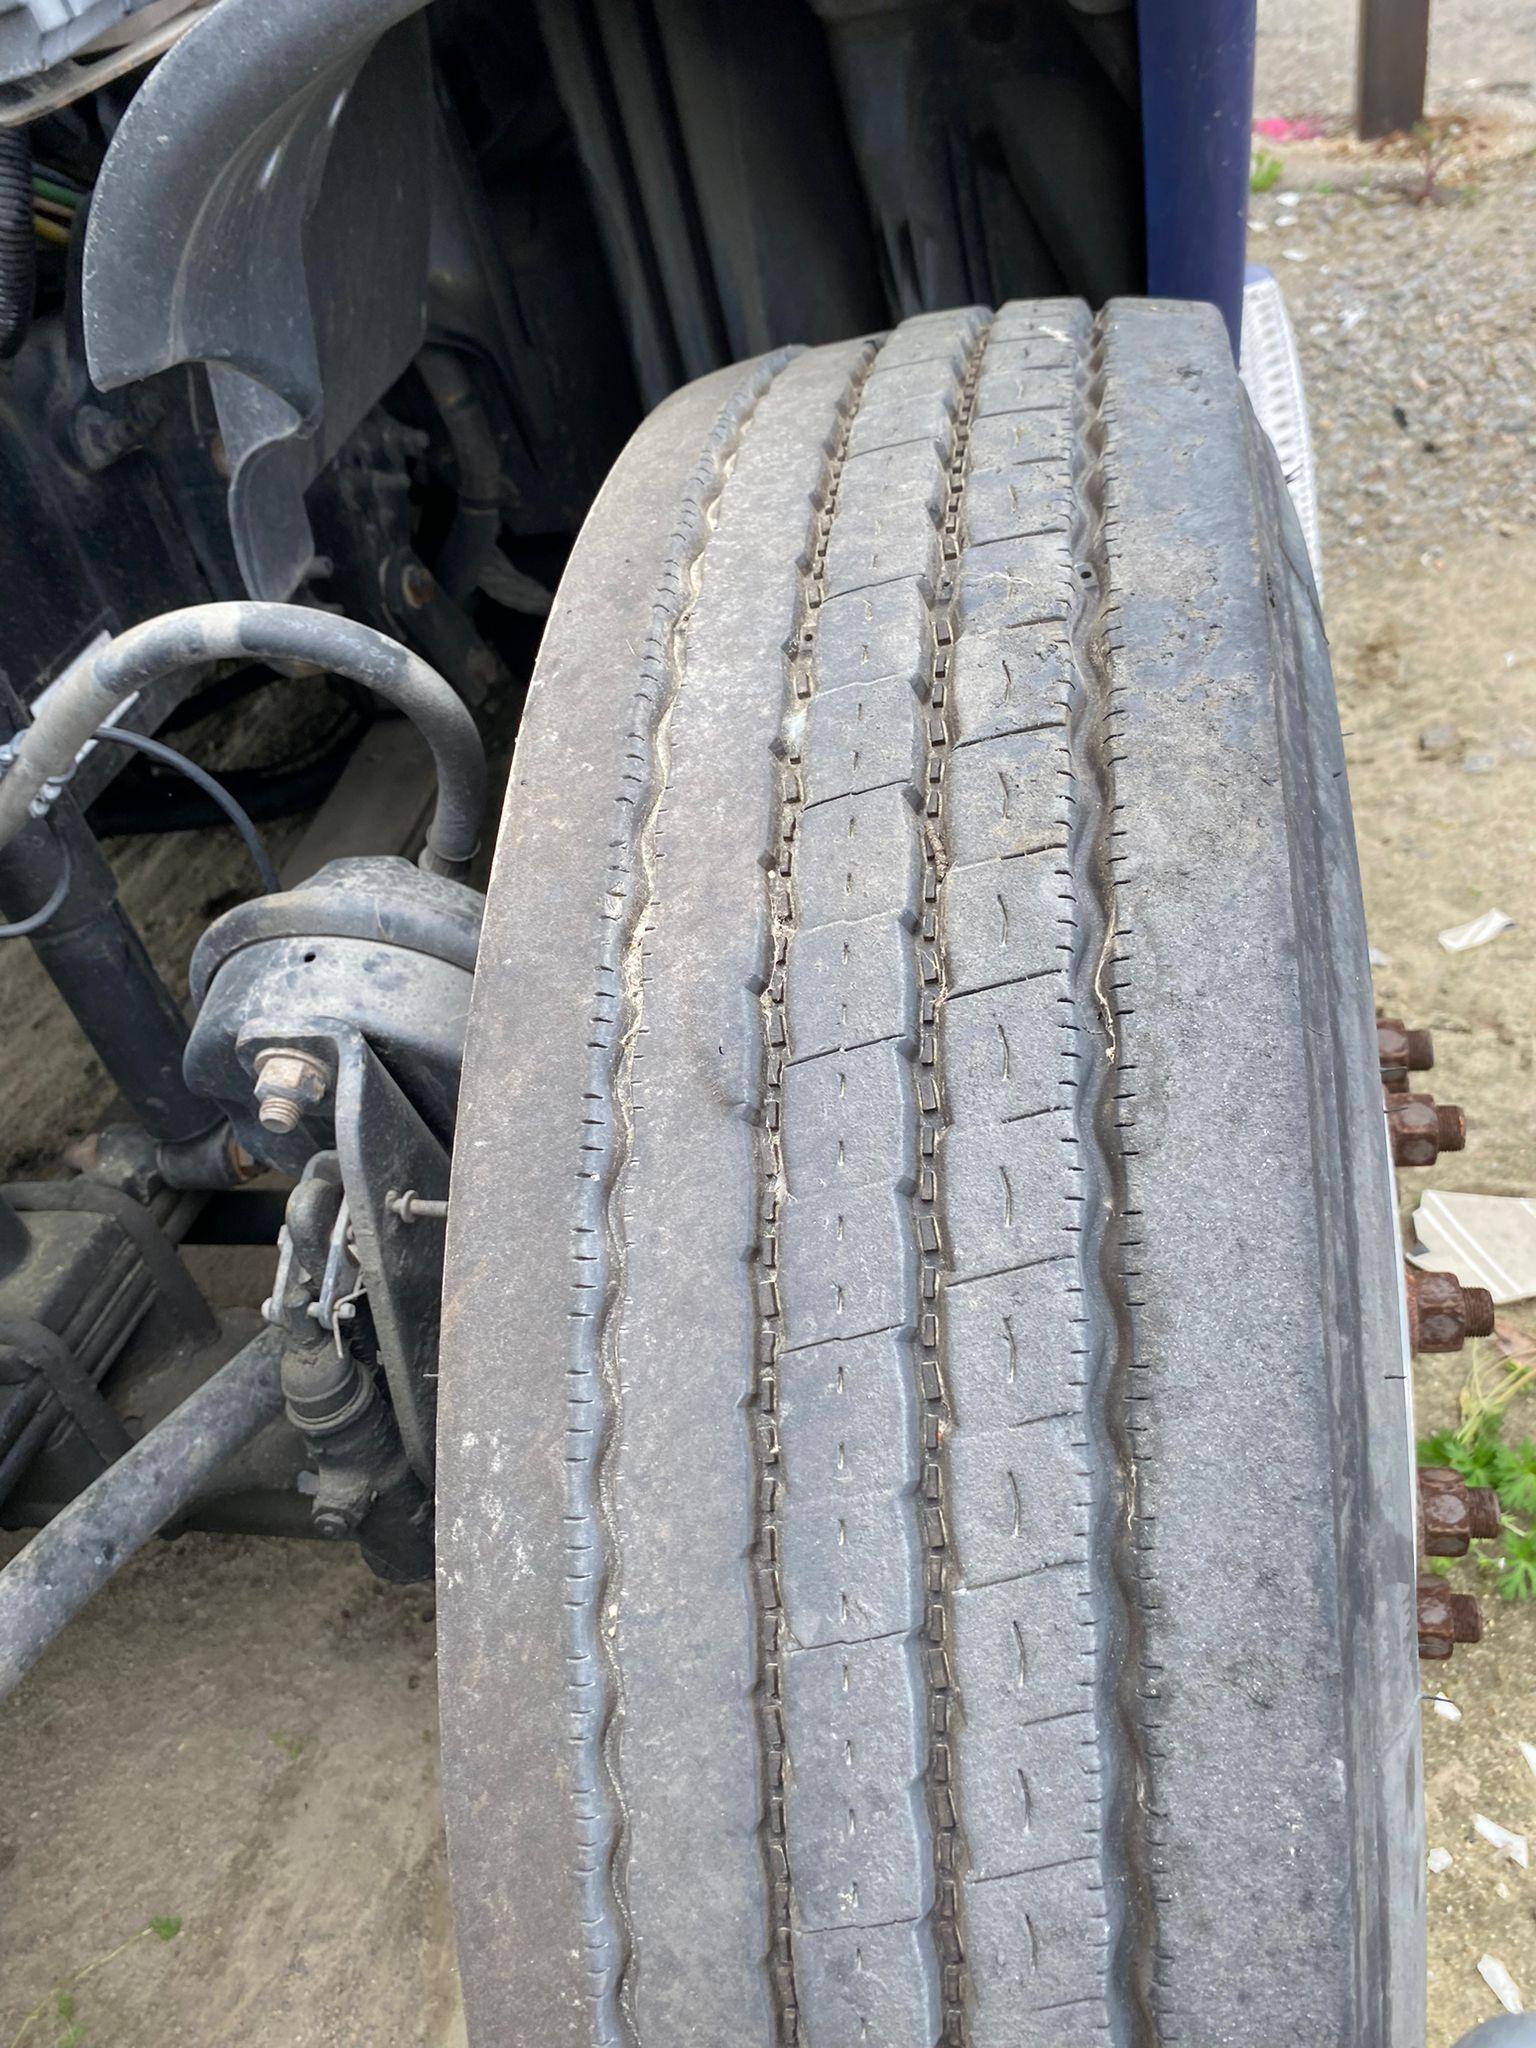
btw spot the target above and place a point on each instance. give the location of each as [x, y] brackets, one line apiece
[1391, 60]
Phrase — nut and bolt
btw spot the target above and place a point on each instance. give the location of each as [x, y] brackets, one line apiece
[288, 1085]
[418, 586]
[336, 1523]
[1442, 1314]
[1402, 1051]
[1451, 1513]
[1446, 1618]
[413, 1208]
[1422, 1128]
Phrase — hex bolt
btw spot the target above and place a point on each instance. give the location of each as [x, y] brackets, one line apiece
[1453, 1513]
[1422, 1129]
[1445, 1618]
[1402, 1050]
[1442, 1314]
[331, 1524]
[418, 586]
[288, 1084]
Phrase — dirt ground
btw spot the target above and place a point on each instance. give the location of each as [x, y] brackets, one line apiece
[239, 1736]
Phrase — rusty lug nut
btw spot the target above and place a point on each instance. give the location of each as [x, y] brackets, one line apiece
[288, 1084]
[1446, 1618]
[1401, 1051]
[1451, 1512]
[1422, 1128]
[1442, 1314]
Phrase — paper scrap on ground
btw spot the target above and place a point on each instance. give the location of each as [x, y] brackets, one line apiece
[1500, 1983]
[1439, 1859]
[1485, 1240]
[1480, 930]
[1447, 1709]
[1528, 1751]
[1505, 1840]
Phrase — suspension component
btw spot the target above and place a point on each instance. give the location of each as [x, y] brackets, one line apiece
[289, 1084]
[365, 1487]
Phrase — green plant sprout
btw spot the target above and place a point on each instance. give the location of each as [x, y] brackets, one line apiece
[1266, 171]
[164, 1926]
[1478, 1451]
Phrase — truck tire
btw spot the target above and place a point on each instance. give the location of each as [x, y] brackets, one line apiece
[926, 1513]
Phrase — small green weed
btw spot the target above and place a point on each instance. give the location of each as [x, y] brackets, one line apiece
[166, 1926]
[1479, 1451]
[1266, 171]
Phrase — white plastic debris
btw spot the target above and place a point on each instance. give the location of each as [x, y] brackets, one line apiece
[1271, 371]
[1380, 959]
[1485, 1240]
[1447, 1709]
[1459, 937]
[1505, 1840]
[1528, 1751]
[1438, 1859]
[1500, 1983]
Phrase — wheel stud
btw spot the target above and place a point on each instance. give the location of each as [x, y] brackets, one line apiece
[1451, 1513]
[1442, 1314]
[1446, 1618]
[1422, 1128]
[1402, 1051]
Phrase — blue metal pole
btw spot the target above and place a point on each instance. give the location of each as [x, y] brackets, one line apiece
[1196, 123]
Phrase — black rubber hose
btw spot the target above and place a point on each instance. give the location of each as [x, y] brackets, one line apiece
[477, 522]
[214, 790]
[18, 246]
[83, 696]
[24, 927]
[46, 1584]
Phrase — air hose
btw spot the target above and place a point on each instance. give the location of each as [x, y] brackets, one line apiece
[85, 694]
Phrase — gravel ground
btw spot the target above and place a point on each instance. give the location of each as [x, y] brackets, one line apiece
[239, 1735]
[1417, 326]
[1482, 56]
